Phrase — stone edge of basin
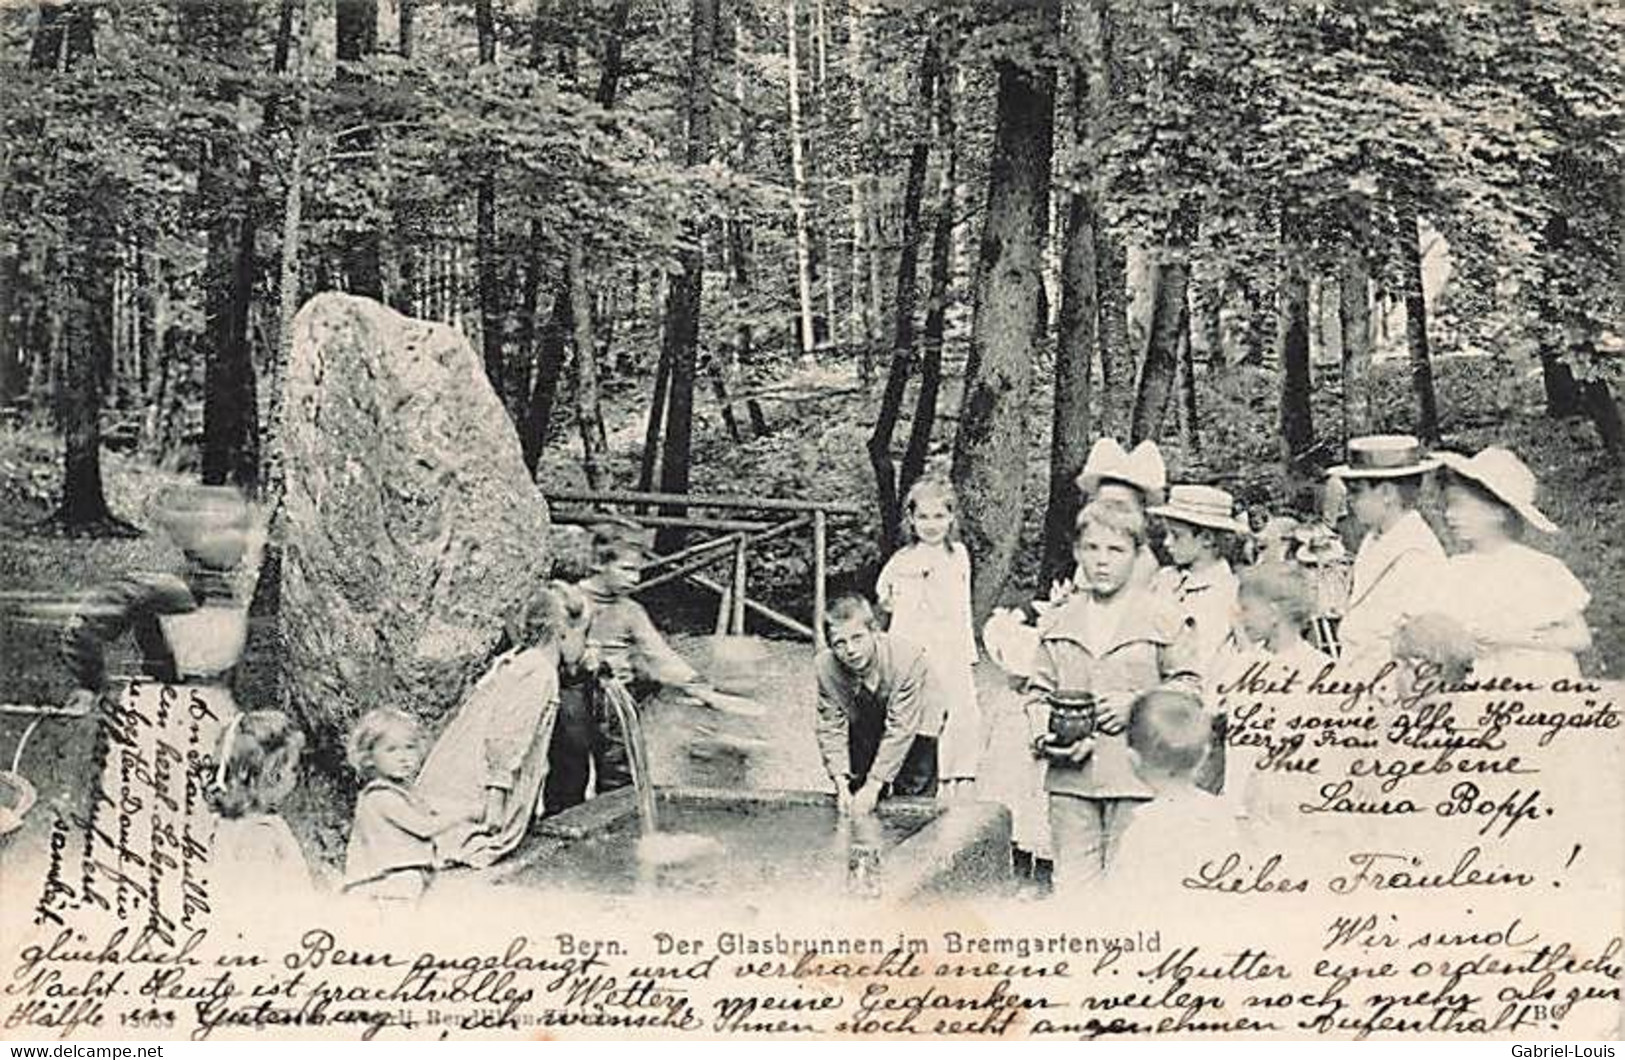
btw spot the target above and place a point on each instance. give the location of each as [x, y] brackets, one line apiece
[962, 847]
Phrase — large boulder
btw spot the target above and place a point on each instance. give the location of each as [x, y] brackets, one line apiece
[411, 526]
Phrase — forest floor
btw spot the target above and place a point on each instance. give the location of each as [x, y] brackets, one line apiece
[820, 419]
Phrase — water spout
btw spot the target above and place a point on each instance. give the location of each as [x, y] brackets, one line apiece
[637, 752]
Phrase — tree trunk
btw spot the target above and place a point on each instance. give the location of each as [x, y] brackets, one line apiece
[84, 504]
[1077, 337]
[1555, 299]
[1292, 349]
[1190, 424]
[1416, 328]
[356, 28]
[739, 282]
[990, 449]
[94, 211]
[862, 324]
[1603, 408]
[13, 373]
[715, 371]
[492, 317]
[408, 9]
[405, 231]
[545, 385]
[824, 271]
[589, 415]
[908, 290]
[1354, 315]
[230, 409]
[589, 406]
[1561, 389]
[649, 465]
[1159, 358]
[936, 311]
[1207, 337]
[272, 469]
[1256, 324]
[683, 299]
[798, 184]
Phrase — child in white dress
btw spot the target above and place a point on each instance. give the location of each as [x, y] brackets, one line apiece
[255, 854]
[926, 588]
[1275, 605]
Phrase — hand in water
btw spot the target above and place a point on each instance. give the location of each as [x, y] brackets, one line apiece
[843, 798]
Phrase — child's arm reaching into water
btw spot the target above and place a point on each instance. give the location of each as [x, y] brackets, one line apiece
[656, 660]
[830, 732]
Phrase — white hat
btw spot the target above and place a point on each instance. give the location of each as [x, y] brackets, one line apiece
[1143, 469]
[1202, 506]
[1385, 456]
[1504, 476]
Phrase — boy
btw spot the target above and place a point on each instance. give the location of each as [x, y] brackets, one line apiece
[1182, 826]
[629, 647]
[878, 716]
[1115, 640]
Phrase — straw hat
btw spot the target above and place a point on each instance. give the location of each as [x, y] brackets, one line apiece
[1142, 469]
[1504, 476]
[1385, 456]
[1206, 506]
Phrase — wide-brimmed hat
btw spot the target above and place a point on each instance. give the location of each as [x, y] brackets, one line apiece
[1499, 472]
[1206, 506]
[1385, 456]
[1142, 469]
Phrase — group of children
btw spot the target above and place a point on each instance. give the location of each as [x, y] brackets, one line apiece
[535, 719]
[1154, 644]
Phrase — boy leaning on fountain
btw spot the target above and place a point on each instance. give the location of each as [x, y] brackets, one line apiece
[878, 716]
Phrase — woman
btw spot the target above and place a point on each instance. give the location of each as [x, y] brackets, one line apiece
[190, 627]
[490, 762]
[1504, 609]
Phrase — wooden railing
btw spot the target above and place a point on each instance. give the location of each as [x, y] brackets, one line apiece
[734, 538]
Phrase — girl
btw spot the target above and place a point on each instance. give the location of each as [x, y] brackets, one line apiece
[1275, 604]
[926, 588]
[489, 763]
[394, 837]
[1201, 528]
[1505, 609]
[255, 853]
[1116, 640]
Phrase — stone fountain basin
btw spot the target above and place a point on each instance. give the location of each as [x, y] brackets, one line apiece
[771, 841]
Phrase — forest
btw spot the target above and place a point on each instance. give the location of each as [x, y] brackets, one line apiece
[816, 247]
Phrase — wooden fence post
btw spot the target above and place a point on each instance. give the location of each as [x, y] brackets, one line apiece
[739, 588]
[818, 578]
